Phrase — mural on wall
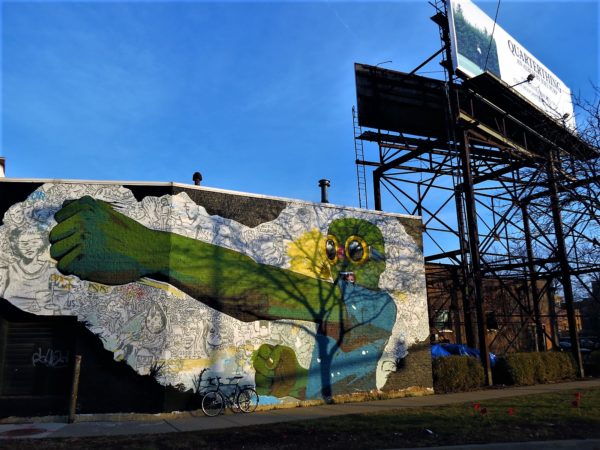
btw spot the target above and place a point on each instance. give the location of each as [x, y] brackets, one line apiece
[319, 301]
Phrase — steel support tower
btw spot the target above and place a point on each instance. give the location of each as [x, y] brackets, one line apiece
[508, 196]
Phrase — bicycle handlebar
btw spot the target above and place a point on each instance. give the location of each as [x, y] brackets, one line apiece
[237, 377]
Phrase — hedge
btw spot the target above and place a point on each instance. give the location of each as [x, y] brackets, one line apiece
[526, 369]
[457, 374]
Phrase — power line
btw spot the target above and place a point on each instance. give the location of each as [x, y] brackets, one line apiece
[492, 36]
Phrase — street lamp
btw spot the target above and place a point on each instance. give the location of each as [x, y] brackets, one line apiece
[529, 79]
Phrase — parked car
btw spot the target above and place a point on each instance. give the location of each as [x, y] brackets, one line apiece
[590, 343]
[584, 343]
[565, 345]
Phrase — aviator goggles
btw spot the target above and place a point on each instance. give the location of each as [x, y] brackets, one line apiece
[355, 250]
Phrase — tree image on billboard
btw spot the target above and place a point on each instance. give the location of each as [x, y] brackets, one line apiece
[476, 48]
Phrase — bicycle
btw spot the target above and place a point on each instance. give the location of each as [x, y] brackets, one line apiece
[244, 398]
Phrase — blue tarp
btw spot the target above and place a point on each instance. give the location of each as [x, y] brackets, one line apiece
[441, 350]
[438, 351]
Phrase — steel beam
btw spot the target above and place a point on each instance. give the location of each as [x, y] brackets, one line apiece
[564, 262]
[428, 60]
[475, 273]
[453, 254]
[535, 295]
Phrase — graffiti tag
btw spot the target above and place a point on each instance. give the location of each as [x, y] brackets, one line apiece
[50, 358]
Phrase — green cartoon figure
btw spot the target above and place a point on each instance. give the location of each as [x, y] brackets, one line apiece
[353, 317]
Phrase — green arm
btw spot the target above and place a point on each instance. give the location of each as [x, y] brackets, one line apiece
[239, 286]
[97, 243]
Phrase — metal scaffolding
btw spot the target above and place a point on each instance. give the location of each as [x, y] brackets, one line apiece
[499, 186]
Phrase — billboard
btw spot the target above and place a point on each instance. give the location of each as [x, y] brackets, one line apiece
[396, 101]
[479, 46]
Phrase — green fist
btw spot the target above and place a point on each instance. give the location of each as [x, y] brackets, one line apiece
[97, 243]
[278, 372]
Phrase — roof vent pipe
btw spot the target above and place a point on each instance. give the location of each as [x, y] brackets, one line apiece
[197, 178]
[324, 184]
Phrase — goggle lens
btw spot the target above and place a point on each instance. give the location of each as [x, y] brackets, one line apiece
[356, 250]
[331, 249]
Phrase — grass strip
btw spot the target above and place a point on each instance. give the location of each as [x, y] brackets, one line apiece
[561, 415]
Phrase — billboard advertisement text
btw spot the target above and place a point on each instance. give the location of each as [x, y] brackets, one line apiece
[479, 45]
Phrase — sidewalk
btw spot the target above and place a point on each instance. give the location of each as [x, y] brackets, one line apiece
[128, 424]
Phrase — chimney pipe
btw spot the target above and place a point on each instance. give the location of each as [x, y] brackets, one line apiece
[197, 178]
[2, 167]
[324, 184]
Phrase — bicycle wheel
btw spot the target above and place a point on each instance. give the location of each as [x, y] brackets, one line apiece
[213, 403]
[247, 400]
[233, 403]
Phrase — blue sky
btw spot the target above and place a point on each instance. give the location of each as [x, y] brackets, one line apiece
[255, 95]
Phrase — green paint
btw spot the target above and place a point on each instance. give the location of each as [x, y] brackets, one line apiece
[97, 243]
[278, 372]
[367, 273]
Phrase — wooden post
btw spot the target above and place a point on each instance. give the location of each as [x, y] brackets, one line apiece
[74, 389]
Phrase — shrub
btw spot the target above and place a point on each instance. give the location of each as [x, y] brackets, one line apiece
[526, 369]
[457, 374]
[515, 368]
[558, 365]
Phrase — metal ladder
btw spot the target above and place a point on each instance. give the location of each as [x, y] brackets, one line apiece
[361, 176]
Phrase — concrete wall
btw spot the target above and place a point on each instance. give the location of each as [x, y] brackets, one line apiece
[303, 300]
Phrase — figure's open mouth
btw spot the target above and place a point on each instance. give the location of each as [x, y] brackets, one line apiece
[348, 276]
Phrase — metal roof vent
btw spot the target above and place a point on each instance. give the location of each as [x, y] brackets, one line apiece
[197, 178]
[324, 185]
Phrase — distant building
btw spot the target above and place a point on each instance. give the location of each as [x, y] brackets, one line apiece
[589, 312]
[508, 326]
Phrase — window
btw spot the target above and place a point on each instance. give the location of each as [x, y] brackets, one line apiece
[442, 321]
